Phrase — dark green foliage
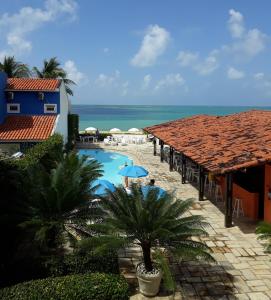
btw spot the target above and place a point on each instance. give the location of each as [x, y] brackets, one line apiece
[80, 263]
[47, 153]
[14, 68]
[96, 286]
[52, 69]
[264, 233]
[59, 200]
[73, 127]
[102, 136]
[155, 223]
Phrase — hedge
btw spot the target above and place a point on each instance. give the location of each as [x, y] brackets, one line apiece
[95, 286]
[79, 263]
[73, 130]
[46, 153]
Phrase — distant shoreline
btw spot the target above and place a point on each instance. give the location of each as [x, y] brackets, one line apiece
[105, 117]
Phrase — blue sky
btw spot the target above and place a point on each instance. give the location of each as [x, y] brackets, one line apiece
[148, 52]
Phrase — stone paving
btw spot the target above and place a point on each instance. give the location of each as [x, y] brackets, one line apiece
[243, 270]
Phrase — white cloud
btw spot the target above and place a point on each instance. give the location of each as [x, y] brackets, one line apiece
[208, 66]
[187, 58]
[105, 50]
[124, 88]
[15, 28]
[74, 74]
[170, 80]
[236, 23]
[235, 74]
[112, 83]
[247, 43]
[146, 81]
[258, 76]
[107, 80]
[154, 44]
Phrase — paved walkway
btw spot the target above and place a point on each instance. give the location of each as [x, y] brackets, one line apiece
[243, 270]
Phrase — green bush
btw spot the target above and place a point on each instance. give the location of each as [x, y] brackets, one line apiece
[73, 130]
[45, 153]
[96, 286]
[79, 263]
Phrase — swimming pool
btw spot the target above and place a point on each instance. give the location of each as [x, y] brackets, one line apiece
[112, 162]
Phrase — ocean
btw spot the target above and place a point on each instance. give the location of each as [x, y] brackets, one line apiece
[105, 117]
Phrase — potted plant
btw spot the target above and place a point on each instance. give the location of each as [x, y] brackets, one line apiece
[159, 225]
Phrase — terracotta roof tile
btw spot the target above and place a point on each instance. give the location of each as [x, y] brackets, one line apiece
[220, 144]
[30, 128]
[33, 84]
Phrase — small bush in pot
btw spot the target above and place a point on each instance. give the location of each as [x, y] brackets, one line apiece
[159, 225]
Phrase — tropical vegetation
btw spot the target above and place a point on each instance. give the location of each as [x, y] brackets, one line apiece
[93, 286]
[52, 69]
[155, 223]
[264, 233]
[14, 68]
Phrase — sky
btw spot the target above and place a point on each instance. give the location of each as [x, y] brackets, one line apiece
[169, 52]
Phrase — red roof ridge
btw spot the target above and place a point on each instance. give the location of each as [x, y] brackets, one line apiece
[230, 142]
[27, 127]
[34, 84]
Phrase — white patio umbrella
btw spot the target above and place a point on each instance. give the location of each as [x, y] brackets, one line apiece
[133, 130]
[91, 129]
[115, 130]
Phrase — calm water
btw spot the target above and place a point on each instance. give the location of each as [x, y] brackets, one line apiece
[112, 162]
[124, 117]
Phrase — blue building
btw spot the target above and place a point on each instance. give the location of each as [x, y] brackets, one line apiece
[31, 110]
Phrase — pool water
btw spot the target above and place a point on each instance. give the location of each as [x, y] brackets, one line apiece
[112, 162]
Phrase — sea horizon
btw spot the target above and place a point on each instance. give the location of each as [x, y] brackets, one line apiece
[125, 116]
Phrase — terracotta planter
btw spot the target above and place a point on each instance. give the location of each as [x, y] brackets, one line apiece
[149, 284]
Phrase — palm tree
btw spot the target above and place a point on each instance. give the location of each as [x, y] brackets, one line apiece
[264, 233]
[51, 69]
[60, 200]
[152, 222]
[13, 68]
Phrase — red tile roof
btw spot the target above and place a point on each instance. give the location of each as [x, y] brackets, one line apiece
[220, 144]
[32, 84]
[27, 128]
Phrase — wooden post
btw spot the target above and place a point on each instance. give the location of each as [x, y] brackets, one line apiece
[171, 159]
[161, 151]
[183, 169]
[228, 202]
[154, 146]
[201, 184]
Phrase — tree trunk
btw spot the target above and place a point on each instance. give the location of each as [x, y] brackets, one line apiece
[146, 248]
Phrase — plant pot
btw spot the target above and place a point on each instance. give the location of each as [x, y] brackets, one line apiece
[149, 283]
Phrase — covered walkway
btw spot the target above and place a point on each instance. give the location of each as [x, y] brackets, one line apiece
[230, 154]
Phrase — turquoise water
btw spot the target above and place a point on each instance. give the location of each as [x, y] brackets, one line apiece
[124, 117]
[112, 162]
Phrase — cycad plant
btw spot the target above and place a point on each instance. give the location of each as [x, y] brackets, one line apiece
[264, 233]
[59, 200]
[157, 223]
[52, 69]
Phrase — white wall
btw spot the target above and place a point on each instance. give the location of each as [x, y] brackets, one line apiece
[62, 124]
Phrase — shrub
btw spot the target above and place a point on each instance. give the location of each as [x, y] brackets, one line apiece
[73, 125]
[46, 153]
[96, 286]
[79, 263]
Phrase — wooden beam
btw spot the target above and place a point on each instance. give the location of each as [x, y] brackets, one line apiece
[183, 169]
[161, 151]
[201, 184]
[154, 146]
[228, 202]
[171, 151]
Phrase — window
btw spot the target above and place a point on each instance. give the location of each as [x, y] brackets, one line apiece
[50, 108]
[13, 108]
